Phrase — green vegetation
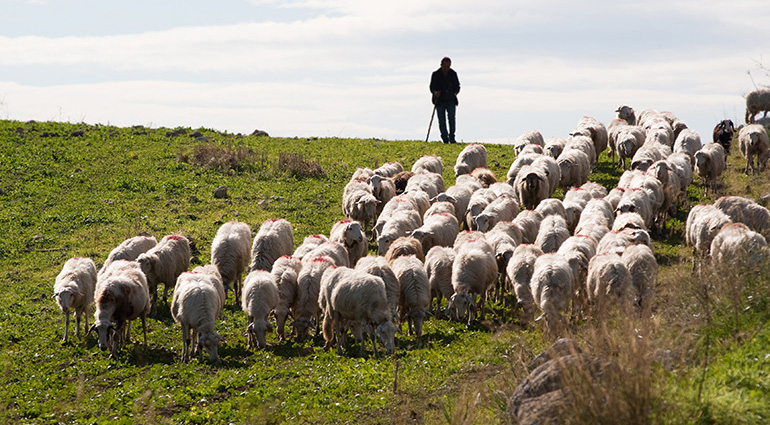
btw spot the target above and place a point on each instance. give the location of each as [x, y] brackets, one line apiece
[78, 190]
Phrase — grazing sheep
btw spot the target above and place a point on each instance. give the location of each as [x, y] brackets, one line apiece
[400, 180]
[405, 245]
[398, 203]
[305, 306]
[709, 165]
[757, 101]
[596, 131]
[615, 242]
[754, 143]
[578, 251]
[310, 243]
[552, 171]
[472, 156]
[438, 267]
[285, 273]
[554, 147]
[349, 234]
[608, 283]
[402, 223]
[583, 144]
[738, 249]
[553, 232]
[551, 287]
[480, 199]
[627, 142]
[163, 264]
[518, 163]
[504, 238]
[389, 169]
[414, 296]
[274, 239]
[746, 211]
[74, 291]
[357, 298]
[638, 201]
[383, 190]
[437, 230]
[574, 166]
[529, 222]
[703, 223]
[460, 196]
[723, 134]
[504, 208]
[430, 183]
[378, 266]
[335, 251]
[552, 206]
[121, 295]
[643, 269]
[197, 303]
[531, 186]
[628, 220]
[519, 272]
[230, 254]
[688, 142]
[428, 164]
[474, 271]
[531, 137]
[648, 153]
[260, 297]
[359, 205]
[130, 249]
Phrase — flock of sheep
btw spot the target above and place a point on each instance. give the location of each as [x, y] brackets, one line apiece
[479, 238]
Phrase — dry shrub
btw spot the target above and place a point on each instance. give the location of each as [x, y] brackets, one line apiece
[297, 166]
[221, 158]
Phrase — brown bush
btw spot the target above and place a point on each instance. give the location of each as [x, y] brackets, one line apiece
[221, 158]
[296, 165]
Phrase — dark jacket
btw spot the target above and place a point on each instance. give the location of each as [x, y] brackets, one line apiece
[448, 85]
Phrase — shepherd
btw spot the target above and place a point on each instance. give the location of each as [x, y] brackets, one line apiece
[445, 86]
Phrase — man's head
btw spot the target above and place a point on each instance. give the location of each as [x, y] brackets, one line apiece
[446, 63]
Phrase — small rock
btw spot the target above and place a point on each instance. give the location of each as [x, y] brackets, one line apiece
[196, 134]
[77, 133]
[193, 199]
[260, 133]
[220, 192]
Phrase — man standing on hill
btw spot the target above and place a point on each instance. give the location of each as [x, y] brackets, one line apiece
[445, 85]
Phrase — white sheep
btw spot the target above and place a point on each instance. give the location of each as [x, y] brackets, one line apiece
[614, 196]
[628, 220]
[420, 199]
[414, 296]
[335, 251]
[400, 202]
[531, 186]
[529, 149]
[504, 208]
[437, 230]
[459, 196]
[756, 102]
[552, 233]
[471, 157]
[473, 272]
[285, 273]
[638, 201]
[389, 169]
[738, 249]
[754, 143]
[405, 245]
[519, 272]
[598, 207]
[666, 173]
[574, 166]
[554, 147]
[362, 206]
[197, 303]
[259, 299]
[596, 131]
[305, 306]
[230, 254]
[164, 263]
[430, 183]
[274, 239]
[648, 153]
[440, 207]
[480, 199]
[121, 295]
[504, 238]
[615, 242]
[378, 266]
[551, 206]
[402, 223]
[551, 287]
[529, 222]
[609, 283]
[130, 249]
[643, 269]
[688, 142]
[552, 171]
[578, 251]
[709, 165]
[310, 243]
[627, 142]
[349, 234]
[383, 189]
[438, 267]
[428, 163]
[518, 163]
[74, 291]
[746, 211]
[527, 138]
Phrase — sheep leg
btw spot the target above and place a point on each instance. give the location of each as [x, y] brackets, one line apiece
[66, 325]
[185, 343]
[77, 323]
[374, 345]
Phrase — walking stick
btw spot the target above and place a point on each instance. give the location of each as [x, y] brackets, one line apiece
[431, 122]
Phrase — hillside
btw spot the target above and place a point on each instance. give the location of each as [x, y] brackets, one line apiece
[78, 190]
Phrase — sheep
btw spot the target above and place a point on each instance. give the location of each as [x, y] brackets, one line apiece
[572, 212]
[405, 245]
[627, 114]
[460, 196]
[420, 199]
[595, 130]
[355, 297]
[163, 264]
[259, 298]
[335, 251]
[471, 157]
[643, 269]
[383, 189]
[504, 238]
[608, 282]
[473, 272]
[402, 223]
[470, 181]
[430, 183]
[638, 201]
[310, 243]
[578, 195]
[551, 287]
[688, 142]
[398, 203]
[285, 273]
[274, 239]
[531, 186]
[428, 164]
[648, 153]
[703, 223]
[746, 211]
[74, 291]
[437, 229]
[389, 169]
[552, 171]
[574, 166]
[400, 180]
[349, 234]
[468, 236]
[614, 196]
[528, 138]
[628, 220]
[753, 142]
[529, 222]
[378, 266]
[583, 144]
[551, 206]
[553, 232]
[362, 174]
[438, 267]
[627, 142]
[676, 124]
[440, 207]
[594, 227]
[121, 295]
[305, 305]
[519, 272]
[485, 176]
[197, 303]
[414, 296]
[528, 149]
[554, 147]
[518, 163]
[130, 249]
[578, 251]
[682, 166]
[503, 208]
[230, 254]
[480, 199]
[757, 101]
[665, 172]
[723, 134]
[360, 205]
[738, 249]
[598, 207]
[709, 165]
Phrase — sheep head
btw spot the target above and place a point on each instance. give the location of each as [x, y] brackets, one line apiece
[386, 331]
[209, 342]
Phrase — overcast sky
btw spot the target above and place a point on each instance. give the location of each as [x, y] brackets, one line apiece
[339, 68]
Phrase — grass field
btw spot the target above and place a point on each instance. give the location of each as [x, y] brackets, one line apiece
[79, 190]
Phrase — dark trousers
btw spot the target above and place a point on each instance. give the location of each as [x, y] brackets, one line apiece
[446, 111]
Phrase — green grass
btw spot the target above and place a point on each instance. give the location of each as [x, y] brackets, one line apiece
[78, 190]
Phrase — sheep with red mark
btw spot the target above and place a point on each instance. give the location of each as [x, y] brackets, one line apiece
[164, 263]
[260, 297]
[230, 254]
[73, 290]
[274, 239]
